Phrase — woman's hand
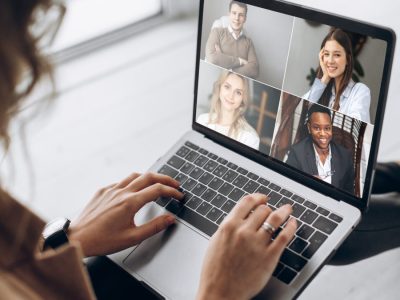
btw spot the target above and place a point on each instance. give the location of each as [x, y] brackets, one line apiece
[241, 256]
[107, 224]
[325, 77]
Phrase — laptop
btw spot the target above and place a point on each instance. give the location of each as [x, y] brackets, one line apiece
[255, 77]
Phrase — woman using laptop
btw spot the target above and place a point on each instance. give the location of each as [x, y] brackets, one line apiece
[333, 86]
[31, 268]
[229, 102]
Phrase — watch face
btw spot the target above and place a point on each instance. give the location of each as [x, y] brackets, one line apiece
[55, 226]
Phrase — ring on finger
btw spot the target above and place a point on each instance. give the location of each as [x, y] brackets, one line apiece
[268, 227]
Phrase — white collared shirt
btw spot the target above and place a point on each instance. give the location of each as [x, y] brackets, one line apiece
[324, 169]
[234, 34]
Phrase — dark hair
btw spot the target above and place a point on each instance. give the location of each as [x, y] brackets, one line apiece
[19, 57]
[343, 39]
[239, 4]
[316, 108]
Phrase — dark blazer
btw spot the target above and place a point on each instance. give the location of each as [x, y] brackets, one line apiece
[302, 157]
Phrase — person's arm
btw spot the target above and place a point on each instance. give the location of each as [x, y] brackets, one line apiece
[107, 223]
[251, 68]
[214, 54]
[316, 91]
[360, 102]
[292, 159]
[241, 256]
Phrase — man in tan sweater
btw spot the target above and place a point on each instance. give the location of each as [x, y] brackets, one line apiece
[230, 48]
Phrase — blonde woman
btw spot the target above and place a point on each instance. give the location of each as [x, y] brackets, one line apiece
[229, 103]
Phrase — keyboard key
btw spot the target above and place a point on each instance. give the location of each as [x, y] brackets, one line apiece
[240, 181]
[194, 203]
[225, 188]
[316, 240]
[203, 208]
[167, 170]
[198, 221]
[214, 214]
[176, 162]
[163, 201]
[232, 166]
[203, 151]
[310, 205]
[323, 211]
[183, 151]
[297, 210]
[174, 206]
[192, 156]
[230, 176]
[278, 269]
[200, 161]
[263, 190]
[212, 156]
[215, 183]
[251, 186]
[325, 225]
[219, 221]
[181, 178]
[191, 145]
[284, 201]
[263, 181]
[199, 189]
[293, 260]
[187, 197]
[305, 231]
[218, 200]
[253, 176]
[287, 275]
[274, 187]
[242, 171]
[222, 161]
[335, 218]
[220, 171]
[298, 245]
[208, 195]
[189, 184]
[210, 166]
[187, 168]
[309, 216]
[286, 193]
[298, 199]
[236, 194]
[274, 198]
[227, 207]
[196, 173]
[206, 178]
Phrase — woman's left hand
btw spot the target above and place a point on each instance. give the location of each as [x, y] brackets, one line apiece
[107, 223]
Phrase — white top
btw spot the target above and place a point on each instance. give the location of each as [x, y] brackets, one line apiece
[247, 135]
[354, 101]
[324, 169]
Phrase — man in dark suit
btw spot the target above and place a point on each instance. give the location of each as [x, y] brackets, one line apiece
[318, 155]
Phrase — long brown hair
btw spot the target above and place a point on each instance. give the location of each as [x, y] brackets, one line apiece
[343, 39]
[216, 110]
[21, 64]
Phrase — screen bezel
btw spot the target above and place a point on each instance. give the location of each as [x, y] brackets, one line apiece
[379, 32]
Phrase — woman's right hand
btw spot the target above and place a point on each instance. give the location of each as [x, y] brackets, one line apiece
[325, 77]
[241, 256]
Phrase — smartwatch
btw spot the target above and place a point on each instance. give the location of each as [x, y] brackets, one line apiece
[55, 233]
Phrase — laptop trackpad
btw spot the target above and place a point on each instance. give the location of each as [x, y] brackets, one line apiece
[170, 261]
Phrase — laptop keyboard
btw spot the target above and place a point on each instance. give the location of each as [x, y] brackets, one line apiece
[212, 187]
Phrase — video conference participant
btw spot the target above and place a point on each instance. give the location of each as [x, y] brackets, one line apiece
[230, 48]
[229, 102]
[318, 155]
[333, 86]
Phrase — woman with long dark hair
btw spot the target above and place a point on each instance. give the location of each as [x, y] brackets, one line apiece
[333, 86]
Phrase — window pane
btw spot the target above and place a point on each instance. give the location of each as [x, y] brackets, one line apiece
[87, 19]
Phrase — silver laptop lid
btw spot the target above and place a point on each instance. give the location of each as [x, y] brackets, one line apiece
[300, 91]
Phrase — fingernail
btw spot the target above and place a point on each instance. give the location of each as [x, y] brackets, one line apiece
[170, 220]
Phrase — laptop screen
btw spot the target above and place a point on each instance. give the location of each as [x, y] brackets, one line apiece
[302, 88]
